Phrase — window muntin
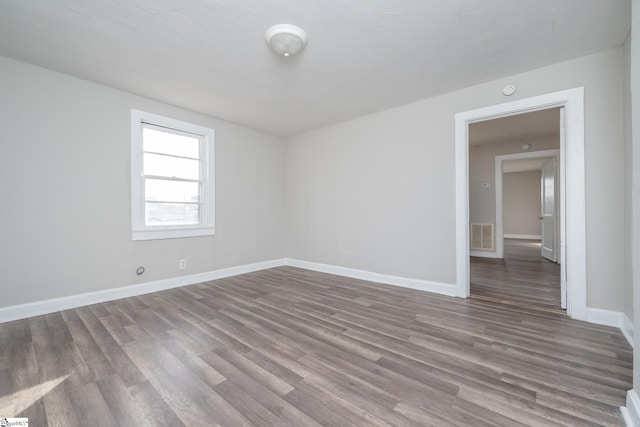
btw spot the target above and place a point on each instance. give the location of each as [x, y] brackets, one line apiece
[172, 181]
[172, 190]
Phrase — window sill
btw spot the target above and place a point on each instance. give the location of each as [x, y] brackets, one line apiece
[172, 234]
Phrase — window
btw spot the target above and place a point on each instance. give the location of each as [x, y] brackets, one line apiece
[172, 188]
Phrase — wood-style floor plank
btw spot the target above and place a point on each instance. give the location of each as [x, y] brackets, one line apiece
[526, 284]
[287, 346]
[523, 278]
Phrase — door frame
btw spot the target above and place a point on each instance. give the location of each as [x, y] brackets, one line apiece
[572, 185]
[500, 189]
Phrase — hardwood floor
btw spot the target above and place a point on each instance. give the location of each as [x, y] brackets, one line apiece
[291, 347]
[523, 278]
[523, 250]
[526, 284]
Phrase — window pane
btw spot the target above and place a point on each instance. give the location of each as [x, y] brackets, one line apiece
[171, 214]
[171, 167]
[160, 190]
[169, 143]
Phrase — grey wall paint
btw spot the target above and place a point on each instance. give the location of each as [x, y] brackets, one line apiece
[377, 193]
[521, 202]
[65, 173]
[628, 180]
[482, 165]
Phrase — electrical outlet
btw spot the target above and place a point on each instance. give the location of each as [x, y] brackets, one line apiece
[182, 264]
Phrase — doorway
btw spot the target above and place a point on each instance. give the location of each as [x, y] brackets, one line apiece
[512, 177]
[525, 220]
[572, 190]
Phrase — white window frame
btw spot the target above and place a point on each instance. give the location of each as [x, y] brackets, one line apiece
[206, 227]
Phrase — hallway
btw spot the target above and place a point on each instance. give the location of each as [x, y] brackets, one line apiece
[523, 278]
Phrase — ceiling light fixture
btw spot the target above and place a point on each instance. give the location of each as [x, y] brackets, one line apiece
[285, 39]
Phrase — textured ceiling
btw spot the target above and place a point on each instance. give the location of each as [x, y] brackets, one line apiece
[363, 56]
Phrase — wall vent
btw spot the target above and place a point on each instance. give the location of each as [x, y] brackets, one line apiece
[482, 236]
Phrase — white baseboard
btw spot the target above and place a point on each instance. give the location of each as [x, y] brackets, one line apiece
[58, 304]
[523, 236]
[612, 318]
[38, 308]
[604, 317]
[631, 412]
[483, 254]
[7, 314]
[627, 329]
[422, 285]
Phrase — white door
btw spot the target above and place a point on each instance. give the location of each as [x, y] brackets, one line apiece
[548, 214]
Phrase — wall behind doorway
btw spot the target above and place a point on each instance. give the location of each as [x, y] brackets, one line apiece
[482, 201]
[521, 203]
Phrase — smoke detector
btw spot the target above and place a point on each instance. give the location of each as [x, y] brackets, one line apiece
[286, 40]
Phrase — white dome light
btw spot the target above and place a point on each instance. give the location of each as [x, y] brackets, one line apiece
[285, 39]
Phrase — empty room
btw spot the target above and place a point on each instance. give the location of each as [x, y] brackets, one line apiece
[307, 213]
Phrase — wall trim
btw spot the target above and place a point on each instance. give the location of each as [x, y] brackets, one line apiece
[23, 311]
[523, 236]
[612, 318]
[627, 329]
[594, 315]
[631, 412]
[572, 185]
[604, 317]
[37, 308]
[483, 254]
[421, 285]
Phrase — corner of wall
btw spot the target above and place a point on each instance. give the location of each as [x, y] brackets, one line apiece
[631, 412]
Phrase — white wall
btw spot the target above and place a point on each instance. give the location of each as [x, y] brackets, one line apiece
[65, 190]
[521, 203]
[377, 193]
